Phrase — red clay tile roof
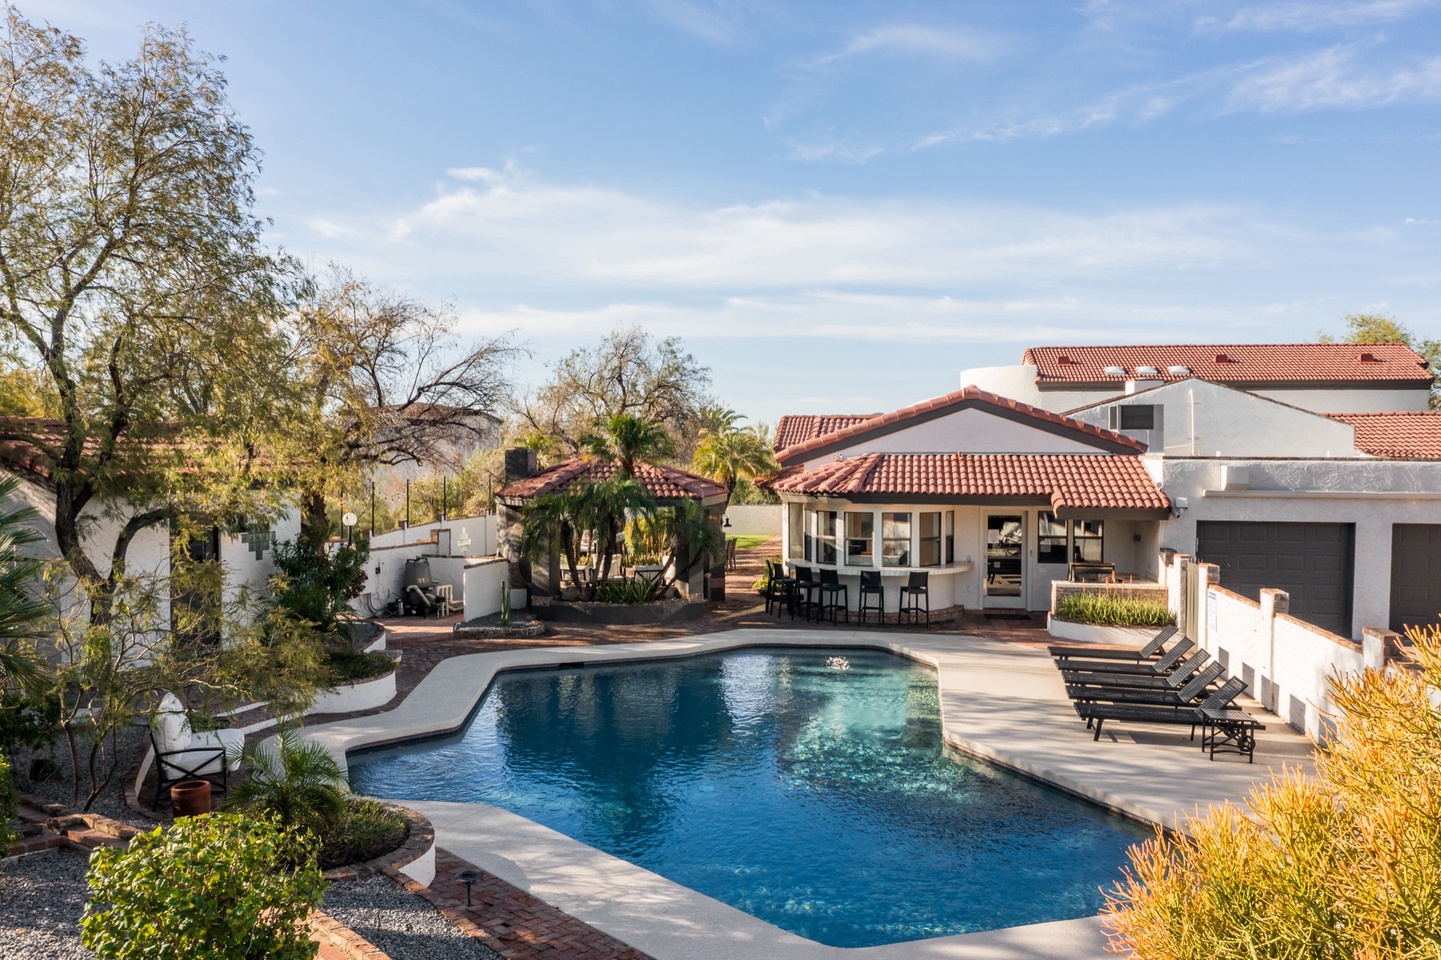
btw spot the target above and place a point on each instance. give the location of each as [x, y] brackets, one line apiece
[1397, 436]
[795, 428]
[937, 406]
[661, 482]
[1071, 481]
[1248, 363]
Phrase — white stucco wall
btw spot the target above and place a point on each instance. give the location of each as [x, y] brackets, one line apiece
[753, 519]
[1371, 494]
[1208, 420]
[965, 431]
[482, 583]
[469, 536]
[1354, 400]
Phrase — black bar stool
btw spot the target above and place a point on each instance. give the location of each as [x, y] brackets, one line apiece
[779, 588]
[805, 589]
[917, 588]
[834, 595]
[871, 587]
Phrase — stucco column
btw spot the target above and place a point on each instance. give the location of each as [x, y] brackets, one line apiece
[1273, 601]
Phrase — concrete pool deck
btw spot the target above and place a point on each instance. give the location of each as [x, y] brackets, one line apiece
[1003, 702]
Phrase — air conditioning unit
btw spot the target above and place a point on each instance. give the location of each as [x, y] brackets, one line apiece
[1139, 421]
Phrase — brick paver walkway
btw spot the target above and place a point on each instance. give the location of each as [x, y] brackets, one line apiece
[512, 922]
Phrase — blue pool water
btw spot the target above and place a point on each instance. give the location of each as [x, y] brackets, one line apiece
[809, 788]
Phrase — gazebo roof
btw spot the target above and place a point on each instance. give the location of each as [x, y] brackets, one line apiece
[661, 482]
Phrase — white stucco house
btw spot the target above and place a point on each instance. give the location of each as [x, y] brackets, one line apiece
[245, 554]
[1312, 468]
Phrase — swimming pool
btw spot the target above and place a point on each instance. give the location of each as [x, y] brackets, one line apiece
[809, 788]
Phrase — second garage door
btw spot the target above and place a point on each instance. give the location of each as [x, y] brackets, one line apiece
[1415, 575]
[1311, 561]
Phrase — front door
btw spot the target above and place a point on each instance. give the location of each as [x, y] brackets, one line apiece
[1004, 584]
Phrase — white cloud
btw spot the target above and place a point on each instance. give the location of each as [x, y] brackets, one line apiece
[518, 227]
[1333, 78]
[1315, 16]
[913, 38]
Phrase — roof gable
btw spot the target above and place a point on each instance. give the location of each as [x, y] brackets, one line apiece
[1253, 364]
[1071, 483]
[968, 398]
[661, 482]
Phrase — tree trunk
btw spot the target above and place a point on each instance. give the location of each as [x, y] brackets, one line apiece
[314, 520]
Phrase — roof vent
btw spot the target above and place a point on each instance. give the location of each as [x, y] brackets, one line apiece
[1147, 372]
[1222, 358]
[1369, 358]
[1065, 361]
[1179, 371]
[1115, 371]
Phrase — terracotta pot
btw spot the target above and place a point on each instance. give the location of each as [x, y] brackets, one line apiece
[190, 798]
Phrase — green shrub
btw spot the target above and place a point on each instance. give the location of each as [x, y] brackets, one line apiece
[219, 886]
[297, 782]
[349, 667]
[364, 830]
[1110, 610]
[639, 590]
[9, 803]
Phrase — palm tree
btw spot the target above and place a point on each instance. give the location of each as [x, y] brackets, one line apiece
[628, 439]
[597, 509]
[690, 532]
[298, 782]
[734, 454]
[22, 612]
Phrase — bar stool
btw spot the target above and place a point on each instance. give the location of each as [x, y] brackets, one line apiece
[834, 595]
[917, 587]
[779, 588]
[805, 588]
[871, 587]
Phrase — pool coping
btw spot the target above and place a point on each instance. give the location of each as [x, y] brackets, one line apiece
[1007, 696]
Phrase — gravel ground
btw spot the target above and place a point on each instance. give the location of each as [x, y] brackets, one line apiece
[41, 899]
[111, 802]
[400, 923]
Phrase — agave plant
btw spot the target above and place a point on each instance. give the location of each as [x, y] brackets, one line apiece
[297, 781]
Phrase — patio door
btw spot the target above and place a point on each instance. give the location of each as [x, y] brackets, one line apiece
[1004, 584]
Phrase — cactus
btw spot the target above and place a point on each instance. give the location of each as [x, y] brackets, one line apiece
[505, 601]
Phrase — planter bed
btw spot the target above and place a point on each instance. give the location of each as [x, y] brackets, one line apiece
[620, 614]
[361, 695]
[415, 857]
[522, 624]
[1099, 633]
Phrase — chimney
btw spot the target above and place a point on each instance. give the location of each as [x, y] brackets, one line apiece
[519, 464]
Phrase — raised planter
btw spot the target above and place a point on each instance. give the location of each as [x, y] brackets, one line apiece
[620, 614]
[415, 857]
[522, 624]
[1099, 634]
[361, 695]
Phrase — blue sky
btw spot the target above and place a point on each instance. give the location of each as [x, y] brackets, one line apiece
[840, 205]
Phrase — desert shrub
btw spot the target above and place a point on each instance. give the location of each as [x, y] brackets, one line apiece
[351, 666]
[315, 581]
[1108, 609]
[220, 886]
[9, 803]
[297, 782]
[1342, 864]
[639, 590]
[364, 829]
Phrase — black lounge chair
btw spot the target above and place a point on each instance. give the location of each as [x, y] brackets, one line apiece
[1174, 680]
[1223, 728]
[1151, 650]
[1189, 694]
[1149, 668]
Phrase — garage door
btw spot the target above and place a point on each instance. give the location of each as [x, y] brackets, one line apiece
[1310, 561]
[1415, 574]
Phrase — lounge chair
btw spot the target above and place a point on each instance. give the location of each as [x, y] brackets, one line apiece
[1174, 680]
[1151, 650]
[1146, 668]
[182, 754]
[1223, 728]
[1188, 694]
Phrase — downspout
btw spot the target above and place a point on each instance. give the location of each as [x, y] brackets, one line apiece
[1191, 393]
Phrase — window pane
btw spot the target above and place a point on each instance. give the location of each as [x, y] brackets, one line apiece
[826, 523]
[930, 539]
[1050, 539]
[895, 539]
[795, 530]
[1138, 416]
[860, 539]
[1089, 540]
